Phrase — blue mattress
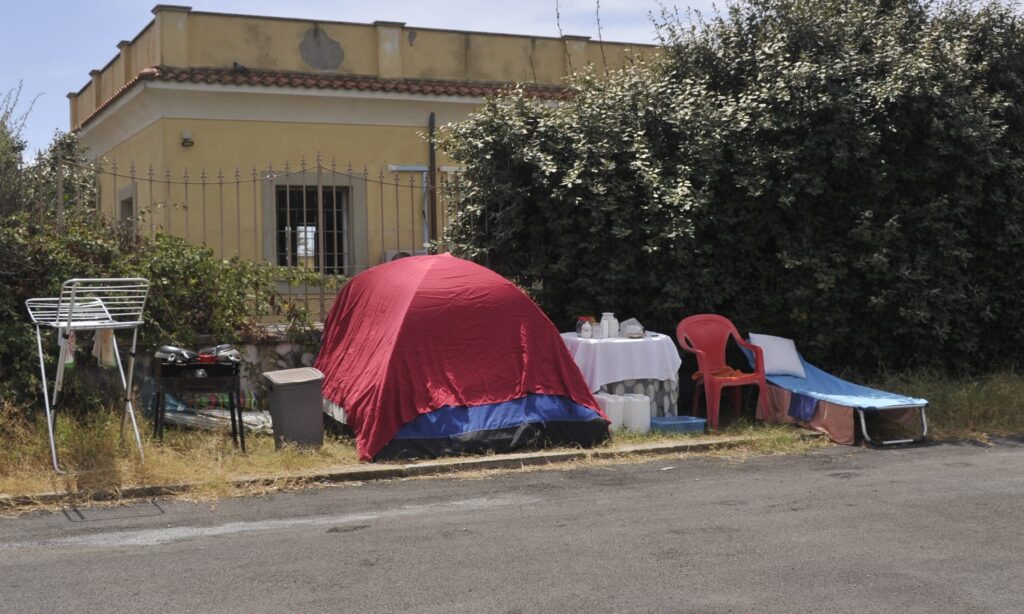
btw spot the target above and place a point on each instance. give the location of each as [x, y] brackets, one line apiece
[824, 386]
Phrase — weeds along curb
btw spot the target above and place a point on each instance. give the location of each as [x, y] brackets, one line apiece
[365, 473]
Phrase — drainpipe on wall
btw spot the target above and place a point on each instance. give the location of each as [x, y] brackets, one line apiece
[432, 175]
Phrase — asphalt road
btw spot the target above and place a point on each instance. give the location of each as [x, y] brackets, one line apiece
[928, 529]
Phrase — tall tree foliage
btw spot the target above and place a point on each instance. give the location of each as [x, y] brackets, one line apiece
[847, 172]
[12, 146]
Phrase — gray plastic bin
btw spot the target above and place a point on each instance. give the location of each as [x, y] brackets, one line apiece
[296, 406]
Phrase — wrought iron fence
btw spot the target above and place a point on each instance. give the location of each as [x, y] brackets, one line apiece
[320, 215]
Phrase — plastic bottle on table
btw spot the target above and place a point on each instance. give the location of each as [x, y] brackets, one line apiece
[609, 325]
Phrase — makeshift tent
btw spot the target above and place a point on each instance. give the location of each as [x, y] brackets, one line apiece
[430, 355]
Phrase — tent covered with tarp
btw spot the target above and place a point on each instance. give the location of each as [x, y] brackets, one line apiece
[431, 355]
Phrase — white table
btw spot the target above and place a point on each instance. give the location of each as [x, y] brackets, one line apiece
[621, 365]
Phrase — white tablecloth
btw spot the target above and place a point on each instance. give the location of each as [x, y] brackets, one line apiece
[604, 361]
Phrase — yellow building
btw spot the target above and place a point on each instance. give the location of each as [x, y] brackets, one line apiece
[299, 142]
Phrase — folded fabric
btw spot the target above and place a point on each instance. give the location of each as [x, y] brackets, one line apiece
[103, 347]
[721, 373]
[802, 407]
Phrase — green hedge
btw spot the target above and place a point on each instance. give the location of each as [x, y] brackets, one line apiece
[845, 172]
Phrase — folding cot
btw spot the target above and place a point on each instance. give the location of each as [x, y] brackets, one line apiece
[824, 402]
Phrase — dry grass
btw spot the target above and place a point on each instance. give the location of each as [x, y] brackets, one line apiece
[966, 407]
[98, 460]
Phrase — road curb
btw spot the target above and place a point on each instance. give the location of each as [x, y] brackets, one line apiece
[365, 473]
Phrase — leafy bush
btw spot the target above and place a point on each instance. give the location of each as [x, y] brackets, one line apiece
[192, 292]
[846, 172]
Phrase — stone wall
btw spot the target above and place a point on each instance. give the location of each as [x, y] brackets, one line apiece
[274, 354]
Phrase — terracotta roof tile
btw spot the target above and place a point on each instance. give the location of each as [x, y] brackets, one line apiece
[229, 76]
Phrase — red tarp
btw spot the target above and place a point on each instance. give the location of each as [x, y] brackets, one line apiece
[424, 332]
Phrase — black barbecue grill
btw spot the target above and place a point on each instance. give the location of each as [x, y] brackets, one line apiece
[213, 370]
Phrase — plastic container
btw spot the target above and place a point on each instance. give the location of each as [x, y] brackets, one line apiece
[678, 424]
[613, 407]
[609, 325]
[637, 415]
[296, 406]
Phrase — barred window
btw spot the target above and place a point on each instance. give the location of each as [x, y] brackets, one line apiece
[299, 233]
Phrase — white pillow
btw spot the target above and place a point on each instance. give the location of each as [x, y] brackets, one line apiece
[780, 357]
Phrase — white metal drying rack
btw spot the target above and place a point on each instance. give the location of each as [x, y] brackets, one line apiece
[90, 305]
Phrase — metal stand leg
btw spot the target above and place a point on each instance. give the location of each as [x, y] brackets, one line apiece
[126, 383]
[890, 442]
[158, 407]
[50, 417]
[231, 412]
[864, 428]
[162, 414]
[236, 403]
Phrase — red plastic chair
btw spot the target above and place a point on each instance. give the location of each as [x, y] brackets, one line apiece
[706, 336]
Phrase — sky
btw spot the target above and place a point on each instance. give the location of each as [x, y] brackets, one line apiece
[49, 46]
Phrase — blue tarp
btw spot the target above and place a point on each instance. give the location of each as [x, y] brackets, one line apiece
[452, 421]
